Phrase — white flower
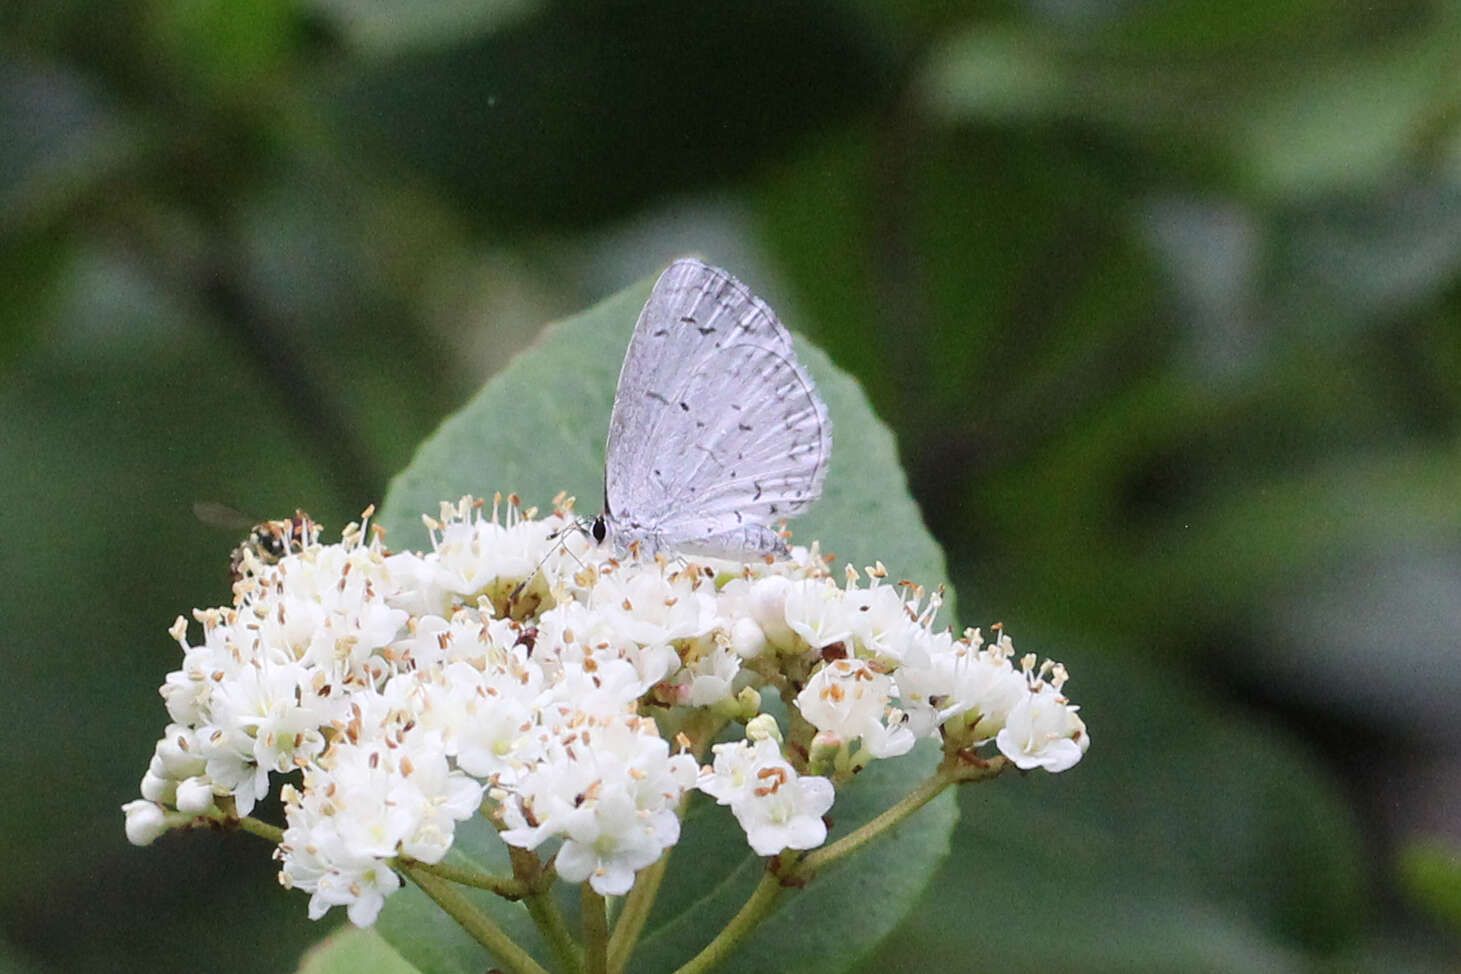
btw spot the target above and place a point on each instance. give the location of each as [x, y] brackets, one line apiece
[271, 713]
[234, 772]
[194, 795]
[516, 662]
[758, 608]
[1043, 731]
[317, 864]
[486, 718]
[777, 808]
[747, 638]
[728, 778]
[651, 606]
[708, 677]
[991, 688]
[817, 611]
[881, 624]
[156, 788]
[610, 789]
[926, 680]
[573, 632]
[146, 821]
[473, 555]
[437, 797]
[960, 678]
[607, 843]
[362, 806]
[596, 688]
[850, 699]
[177, 751]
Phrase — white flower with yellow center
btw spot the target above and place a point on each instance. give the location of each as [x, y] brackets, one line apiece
[777, 808]
[849, 699]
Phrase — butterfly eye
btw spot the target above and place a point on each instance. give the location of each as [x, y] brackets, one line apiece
[600, 530]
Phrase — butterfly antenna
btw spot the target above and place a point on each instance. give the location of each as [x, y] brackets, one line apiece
[577, 524]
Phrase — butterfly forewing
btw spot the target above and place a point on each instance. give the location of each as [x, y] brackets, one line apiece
[715, 426]
[693, 311]
[762, 455]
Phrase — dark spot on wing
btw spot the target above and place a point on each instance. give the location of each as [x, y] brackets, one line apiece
[656, 396]
[685, 406]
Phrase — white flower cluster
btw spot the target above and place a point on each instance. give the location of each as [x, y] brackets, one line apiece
[517, 669]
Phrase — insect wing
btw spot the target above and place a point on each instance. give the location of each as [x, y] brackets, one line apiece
[715, 424]
[218, 515]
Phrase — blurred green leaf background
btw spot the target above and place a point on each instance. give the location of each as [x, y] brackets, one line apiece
[1162, 299]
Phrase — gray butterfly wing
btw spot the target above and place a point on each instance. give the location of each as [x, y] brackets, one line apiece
[716, 428]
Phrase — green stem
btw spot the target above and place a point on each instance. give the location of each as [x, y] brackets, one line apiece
[870, 830]
[635, 912]
[262, 829]
[969, 767]
[700, 728]
[507, 953]
[512, 889]
[531, 872]
[225, 820]
[637, 905]
[595, 932]
[752, 912]
[549, 919]
[953, 770]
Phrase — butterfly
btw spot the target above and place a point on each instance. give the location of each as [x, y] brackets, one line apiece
[717, 431]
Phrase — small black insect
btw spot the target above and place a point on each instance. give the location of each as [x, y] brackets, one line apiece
[269, 541]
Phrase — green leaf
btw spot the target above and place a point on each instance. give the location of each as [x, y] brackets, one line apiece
[1430, 869]
[1351, 124]
[385, 28]
[350, 950]
[995, 73]
[1200, 840]
[538, 428]
[65, 138]
[206, 43]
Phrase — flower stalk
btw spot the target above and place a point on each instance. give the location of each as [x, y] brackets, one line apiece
[756, 908]
[503, 948]
[595, 931]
